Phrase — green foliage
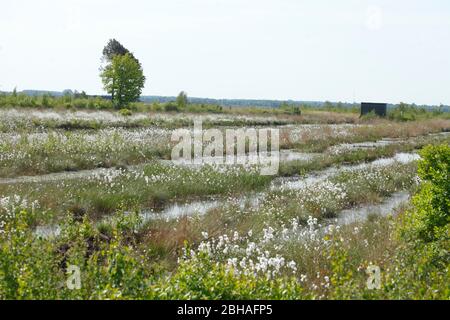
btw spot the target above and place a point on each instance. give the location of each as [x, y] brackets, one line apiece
[406, 112]
[27, 265]
[202, 279]
[342, 277]
[422, 260]
[77, 101]
[370, 116]
[419, 271]
[124, 79]
[35, 268]
[45, 101]
[114, 48]
[338, 107]
[171, 107]
[290, 109]
[182, 100]
[431, 215]
[435, 167]
[111, 268]
[125, 112]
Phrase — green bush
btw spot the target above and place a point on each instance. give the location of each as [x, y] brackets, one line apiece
[431, 213]
[422, 260]
[48, 101]
[370, 116]
[28, 266]
[406, 112]
[290, 109]
[125, 112]
[171, 107]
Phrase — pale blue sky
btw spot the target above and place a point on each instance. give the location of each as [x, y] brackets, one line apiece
[347, 50]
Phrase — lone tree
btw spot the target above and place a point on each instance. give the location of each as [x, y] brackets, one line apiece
[182, 100]
[124, 79]
[123, 76]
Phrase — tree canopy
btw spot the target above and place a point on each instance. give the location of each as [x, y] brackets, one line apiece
[114, 48]
[182, 100]
[124, 78]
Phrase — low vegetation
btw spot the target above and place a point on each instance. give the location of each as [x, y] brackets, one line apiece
[277, 263]
[250, 237]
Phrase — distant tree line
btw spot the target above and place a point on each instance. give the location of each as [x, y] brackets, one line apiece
[76, 99]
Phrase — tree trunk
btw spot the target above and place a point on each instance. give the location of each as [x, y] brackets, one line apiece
[113, 91]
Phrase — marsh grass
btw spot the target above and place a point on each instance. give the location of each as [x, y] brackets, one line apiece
[320, 138]
[279, 209]
[157, 185]
[354, 156]
[123, 259]
[60, 151]
[153, 187]
[285, 247]
[37, 142]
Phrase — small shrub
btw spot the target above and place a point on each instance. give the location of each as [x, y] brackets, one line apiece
[171, 107]
[125, 112]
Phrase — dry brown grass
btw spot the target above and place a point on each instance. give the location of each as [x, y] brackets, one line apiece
[329, 117]
[318, 139]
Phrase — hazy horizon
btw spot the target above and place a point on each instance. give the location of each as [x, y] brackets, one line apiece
[349, 51]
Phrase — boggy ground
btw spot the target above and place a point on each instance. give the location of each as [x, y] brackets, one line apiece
[150, 229]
